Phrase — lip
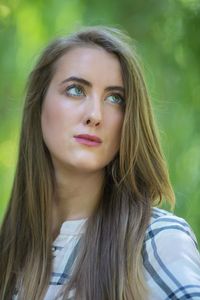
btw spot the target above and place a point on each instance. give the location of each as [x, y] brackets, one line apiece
[87, 139]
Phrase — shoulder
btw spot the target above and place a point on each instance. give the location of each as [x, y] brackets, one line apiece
[170, 257]
[163, 223]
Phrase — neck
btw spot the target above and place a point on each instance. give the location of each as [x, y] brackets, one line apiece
[77, 196]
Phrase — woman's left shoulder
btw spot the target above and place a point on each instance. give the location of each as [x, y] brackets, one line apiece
[164, 223]
[171, 257]
[170, 231]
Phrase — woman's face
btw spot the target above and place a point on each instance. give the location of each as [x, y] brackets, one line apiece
[82, 113]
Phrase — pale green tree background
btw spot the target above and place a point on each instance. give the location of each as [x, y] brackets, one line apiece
[166, 33]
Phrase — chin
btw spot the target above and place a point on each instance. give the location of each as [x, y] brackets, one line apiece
[89, 168]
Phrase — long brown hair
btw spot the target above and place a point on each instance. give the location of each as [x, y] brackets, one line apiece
[109, 262]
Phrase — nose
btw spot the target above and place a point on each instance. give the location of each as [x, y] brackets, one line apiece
[93, 113]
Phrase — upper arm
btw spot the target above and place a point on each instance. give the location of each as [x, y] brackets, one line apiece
[171, 260]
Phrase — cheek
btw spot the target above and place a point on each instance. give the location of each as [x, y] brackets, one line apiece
[115, 128]
[51, 120]
[117, 122]
[54, 114]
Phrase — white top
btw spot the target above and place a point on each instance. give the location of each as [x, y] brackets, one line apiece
[171, 259]
[64, 252]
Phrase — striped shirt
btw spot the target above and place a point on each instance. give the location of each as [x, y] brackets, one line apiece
[171, 259]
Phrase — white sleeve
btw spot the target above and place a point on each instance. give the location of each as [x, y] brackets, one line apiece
[171, 260]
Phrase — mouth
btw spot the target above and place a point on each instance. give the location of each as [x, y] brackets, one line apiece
[87, 139]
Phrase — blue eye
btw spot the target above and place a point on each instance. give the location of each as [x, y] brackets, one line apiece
[116, 99]
[75, 90]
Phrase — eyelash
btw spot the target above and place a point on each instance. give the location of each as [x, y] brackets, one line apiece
[119, 97]
[76, 86]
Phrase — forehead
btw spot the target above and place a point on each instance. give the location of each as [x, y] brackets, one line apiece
[90, 62]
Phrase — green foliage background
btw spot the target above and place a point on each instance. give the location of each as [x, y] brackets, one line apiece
[168, 41]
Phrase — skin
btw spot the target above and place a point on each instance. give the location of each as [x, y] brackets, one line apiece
[70, 108]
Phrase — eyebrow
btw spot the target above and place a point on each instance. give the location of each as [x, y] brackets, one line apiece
[89, 84]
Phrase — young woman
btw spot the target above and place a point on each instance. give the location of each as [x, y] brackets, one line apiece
[81, 222]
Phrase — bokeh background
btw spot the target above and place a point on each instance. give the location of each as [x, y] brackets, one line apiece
[167, 36]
